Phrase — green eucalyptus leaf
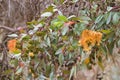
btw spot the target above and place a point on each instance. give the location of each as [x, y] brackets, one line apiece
[59, 51]
[72, 16]
[61, 58]
[48, 54]
[65, 29]
[17, 56]
[51, 76]
[109, 8]
[101, 65]
[62, 18]
[116, 18]
[72, 72]
[109, 18]
[48, 41]
[85, 18]
[106, 31]
[75, 1]
[110, 47]
[42, 77]
[13, 35]
[103, 49]
[78, 28]
[46, 14]
[26, 37]
[58, 23]
[98, 19]
[49, 9]
[17, 51]
[100, 24]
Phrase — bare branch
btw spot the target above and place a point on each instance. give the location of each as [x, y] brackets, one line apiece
[11, 29]
[8, 28]
[116, 8]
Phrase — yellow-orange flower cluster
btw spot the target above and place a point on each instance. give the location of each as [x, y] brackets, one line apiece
[31, 54]
[12, 45]
[89, 39]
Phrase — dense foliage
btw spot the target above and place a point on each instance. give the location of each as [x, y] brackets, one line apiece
[58, 49]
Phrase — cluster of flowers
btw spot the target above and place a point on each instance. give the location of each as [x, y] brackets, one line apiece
[12, 47]
[89, 39]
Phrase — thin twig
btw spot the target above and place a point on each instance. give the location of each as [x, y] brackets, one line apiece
[115, 8]
[8, 28]
[11, 29]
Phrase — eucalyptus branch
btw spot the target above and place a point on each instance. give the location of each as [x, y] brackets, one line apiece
[115, 8]
[12, 29]
[7, 28]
